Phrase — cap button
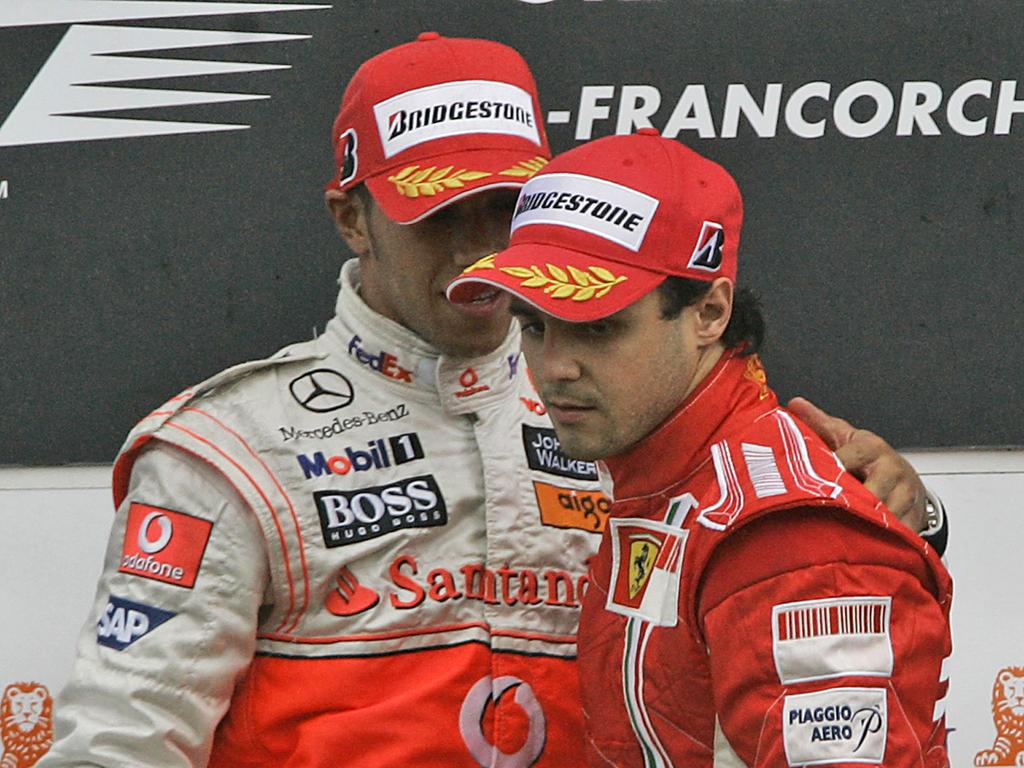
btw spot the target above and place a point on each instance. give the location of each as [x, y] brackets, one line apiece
[648, 131]
[424, 36]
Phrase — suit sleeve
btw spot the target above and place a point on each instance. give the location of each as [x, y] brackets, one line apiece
[826, 645]
[173, 624]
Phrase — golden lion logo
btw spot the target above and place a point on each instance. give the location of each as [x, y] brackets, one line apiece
[26, 717]
[1008, 714]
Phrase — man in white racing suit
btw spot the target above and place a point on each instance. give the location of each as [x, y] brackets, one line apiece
[367, 550]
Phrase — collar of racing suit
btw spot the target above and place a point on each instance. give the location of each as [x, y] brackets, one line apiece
[681, 444]
[412, 365]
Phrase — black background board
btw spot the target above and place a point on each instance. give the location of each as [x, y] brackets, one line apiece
[889, 266]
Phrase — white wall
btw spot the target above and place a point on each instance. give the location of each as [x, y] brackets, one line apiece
[54, 523]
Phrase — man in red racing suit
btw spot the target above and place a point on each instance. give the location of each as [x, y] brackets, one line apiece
[750, 604]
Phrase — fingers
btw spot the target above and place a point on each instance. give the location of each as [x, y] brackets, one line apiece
[887, 475]
[834, 431]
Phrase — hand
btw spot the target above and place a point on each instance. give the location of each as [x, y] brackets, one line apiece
[871, 460]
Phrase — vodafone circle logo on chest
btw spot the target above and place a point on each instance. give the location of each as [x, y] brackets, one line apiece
[164, 545]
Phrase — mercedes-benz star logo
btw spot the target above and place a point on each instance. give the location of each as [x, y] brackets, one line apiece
[322, 390]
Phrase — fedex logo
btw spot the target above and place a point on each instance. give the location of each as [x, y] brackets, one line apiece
[384, 362]
[379, 454]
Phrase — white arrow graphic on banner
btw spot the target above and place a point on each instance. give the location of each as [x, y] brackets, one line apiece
[19, 13]
[52, 108]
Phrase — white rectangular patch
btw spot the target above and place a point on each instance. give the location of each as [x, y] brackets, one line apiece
[454, 109]
[835, 637]
[763, 470]
[838, 725]
[603, 208]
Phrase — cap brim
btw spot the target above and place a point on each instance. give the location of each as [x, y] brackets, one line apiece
[409, 193]
[567, 284]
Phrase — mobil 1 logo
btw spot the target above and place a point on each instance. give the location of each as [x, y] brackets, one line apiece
[348, 517]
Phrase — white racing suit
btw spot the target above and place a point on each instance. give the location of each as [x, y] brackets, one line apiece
[356, 552]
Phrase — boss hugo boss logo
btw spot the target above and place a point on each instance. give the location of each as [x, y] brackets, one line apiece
[544, 453]
[603, 208]
[454, 109]
[348, 517]
[378, 454]
[322, 390]
[124, 621]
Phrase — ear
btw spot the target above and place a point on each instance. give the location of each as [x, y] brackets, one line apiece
[713, 311]
[349, 215]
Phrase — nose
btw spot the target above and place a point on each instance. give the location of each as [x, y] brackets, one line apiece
[558, 359]
[477, 236]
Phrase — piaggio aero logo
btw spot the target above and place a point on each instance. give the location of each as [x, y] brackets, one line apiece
[85, 73]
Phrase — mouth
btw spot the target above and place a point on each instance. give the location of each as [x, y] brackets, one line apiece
[568, 412]
[487, 303]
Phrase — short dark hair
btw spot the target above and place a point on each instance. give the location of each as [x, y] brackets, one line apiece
[746, 325]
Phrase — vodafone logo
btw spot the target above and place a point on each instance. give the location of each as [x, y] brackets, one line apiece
[487, 691]
[164, 545]
[164, 533]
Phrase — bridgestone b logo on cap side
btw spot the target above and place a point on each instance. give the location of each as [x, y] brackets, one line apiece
[600, 207]
[454, 109]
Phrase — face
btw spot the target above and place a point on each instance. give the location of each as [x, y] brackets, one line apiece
[608, 384]
[406, 268]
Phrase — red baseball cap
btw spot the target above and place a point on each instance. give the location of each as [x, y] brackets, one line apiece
[605, 223]
[426, 123]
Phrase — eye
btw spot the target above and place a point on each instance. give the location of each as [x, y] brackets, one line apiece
[531, 326]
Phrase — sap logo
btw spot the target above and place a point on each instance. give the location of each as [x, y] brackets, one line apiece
[123, 622]
[403, 449]
[384, 363]
[348, 517]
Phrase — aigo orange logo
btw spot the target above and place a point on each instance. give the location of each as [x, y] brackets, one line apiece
[572, 507]
[164, 545]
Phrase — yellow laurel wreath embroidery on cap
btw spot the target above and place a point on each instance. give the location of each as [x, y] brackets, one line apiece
[526, 168]
[413, 182]
[577, 284]
[487, 262]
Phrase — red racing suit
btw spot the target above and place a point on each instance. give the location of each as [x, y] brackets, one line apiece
[358, 552]
[752, 604]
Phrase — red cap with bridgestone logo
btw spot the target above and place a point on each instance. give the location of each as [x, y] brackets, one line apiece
[430, 122]
[604, 224]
